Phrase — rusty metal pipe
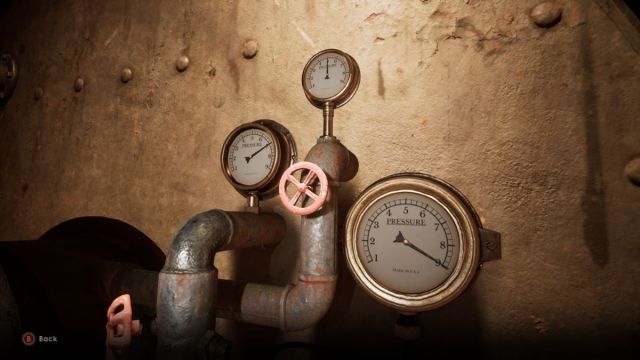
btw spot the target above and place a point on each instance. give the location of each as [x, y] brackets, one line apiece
[196, 243]
[255, 230]
[249, 230]
[303, 304]
[185, 312]
[187, 284]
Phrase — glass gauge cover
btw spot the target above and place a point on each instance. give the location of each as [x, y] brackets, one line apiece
[255, 153]
[412, 242]
[252, 156]
[330, 76]
[409, 242]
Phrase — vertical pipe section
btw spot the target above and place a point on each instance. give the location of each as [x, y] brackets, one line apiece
[186, 311]
[318, 243]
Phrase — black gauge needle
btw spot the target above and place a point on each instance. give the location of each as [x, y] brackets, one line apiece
[327, 77]
[255, 153]
[400, 238]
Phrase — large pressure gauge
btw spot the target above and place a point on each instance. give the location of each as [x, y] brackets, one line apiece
[330, 77]
[255, 154]
[413, 242]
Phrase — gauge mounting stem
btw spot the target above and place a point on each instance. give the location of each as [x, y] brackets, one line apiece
[253, 202]
[327, 113]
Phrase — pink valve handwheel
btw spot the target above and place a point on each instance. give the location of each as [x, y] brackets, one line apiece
[120, 326]
[302, 187]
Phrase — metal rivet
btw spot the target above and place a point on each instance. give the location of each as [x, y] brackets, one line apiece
[632, 171]
[38, 93]
[78, 85]
[508, 18]
[126, 74]
[546, 14]
[250, 48]
[182, 63]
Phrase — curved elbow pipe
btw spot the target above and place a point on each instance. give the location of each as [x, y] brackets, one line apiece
[307, 303]
[187, 284]
[295, 307]
[197, 242]
[195, 245]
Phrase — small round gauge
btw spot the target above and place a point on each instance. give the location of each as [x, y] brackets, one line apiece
[412, 242]
[254, 154]
[330, 76]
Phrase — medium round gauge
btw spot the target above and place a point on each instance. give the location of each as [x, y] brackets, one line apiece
[252, 156]
[412, 242]
[330, 76]
[255, 153]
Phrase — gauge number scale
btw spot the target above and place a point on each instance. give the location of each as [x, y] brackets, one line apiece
[410, 236]
[327, 75]
[251, 156]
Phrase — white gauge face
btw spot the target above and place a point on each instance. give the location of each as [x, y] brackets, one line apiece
[327, 76]
[408, 242]
[251, 157]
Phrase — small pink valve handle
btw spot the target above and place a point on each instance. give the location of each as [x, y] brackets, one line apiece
[120, 327]
[302, 187]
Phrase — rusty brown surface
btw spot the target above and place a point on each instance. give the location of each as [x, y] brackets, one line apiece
[534, 125]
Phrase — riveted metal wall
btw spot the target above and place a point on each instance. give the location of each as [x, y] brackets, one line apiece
[121, 108]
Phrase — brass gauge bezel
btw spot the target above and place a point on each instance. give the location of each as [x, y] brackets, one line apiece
[285, 154]
[346, 93]
[466, 221]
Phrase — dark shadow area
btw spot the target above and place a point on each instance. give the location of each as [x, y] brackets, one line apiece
[252, 265]
[4, 4]
[593, 199]
[57, 283]
[634, 5]
[565, 346]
